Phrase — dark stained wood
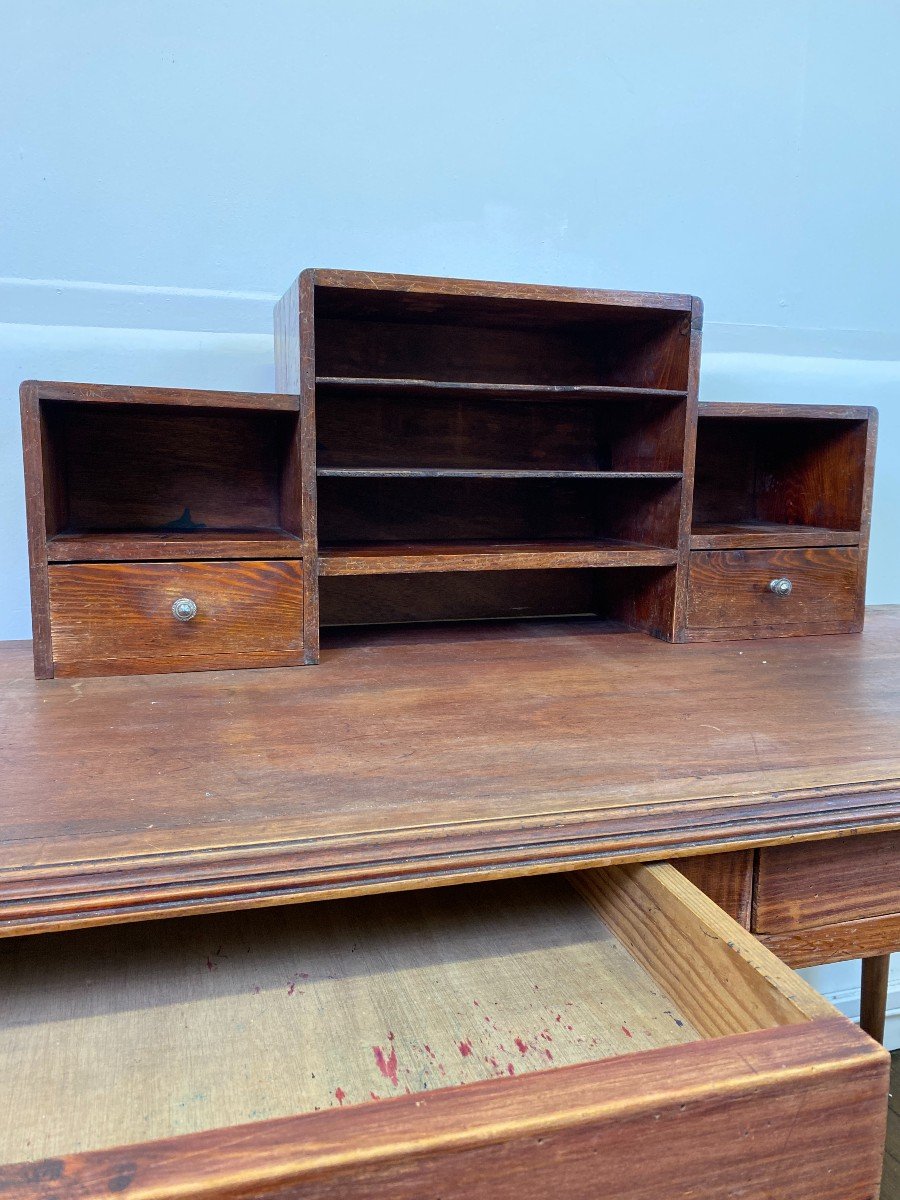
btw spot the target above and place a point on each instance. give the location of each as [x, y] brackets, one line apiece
[380, 558]
[394, 388]
[42, 509]
[725, 878]
[436, 400]
[434, 509]
[115, 394]
[824, 882]
[472, 473]
[415, 757]
[873, 995]
[718, 1117]
[172, 545]
[121, 474]
[459, 430]
[730, 595]
[767, 535]
[770, 477]
[836, 942]
[109, 615]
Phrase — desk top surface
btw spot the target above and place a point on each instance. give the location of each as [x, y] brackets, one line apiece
[413, 757]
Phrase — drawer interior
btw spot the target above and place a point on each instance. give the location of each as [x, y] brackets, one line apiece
[119, 1035]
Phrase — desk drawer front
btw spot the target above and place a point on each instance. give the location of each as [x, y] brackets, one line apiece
[504, 1040]
[771, 593]
[825, 883]
[131, 618]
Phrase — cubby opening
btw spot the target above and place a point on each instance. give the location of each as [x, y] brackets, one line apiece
[773, 482]
[126, 477]
[438, 336]
[485, 516]
[613, 594]
[366, 426]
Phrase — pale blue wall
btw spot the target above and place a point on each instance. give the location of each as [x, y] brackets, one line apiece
[166, 168]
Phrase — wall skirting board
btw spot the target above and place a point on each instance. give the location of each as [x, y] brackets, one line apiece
[226, 343]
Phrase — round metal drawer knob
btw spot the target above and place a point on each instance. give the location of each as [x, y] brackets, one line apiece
[184, 609]
[781, 587]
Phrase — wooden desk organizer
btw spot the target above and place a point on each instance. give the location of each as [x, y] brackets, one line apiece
[438, 450]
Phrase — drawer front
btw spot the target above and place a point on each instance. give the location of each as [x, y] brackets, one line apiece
[507, 1040]
[824, 883]
[731, 591]
[118, 618]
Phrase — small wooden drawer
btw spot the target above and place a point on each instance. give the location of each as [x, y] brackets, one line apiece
[838, 898]
[610, 1032]
[773, 593]
[119, 618]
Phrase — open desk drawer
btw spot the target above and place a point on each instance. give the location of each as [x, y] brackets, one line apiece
[621, 1037]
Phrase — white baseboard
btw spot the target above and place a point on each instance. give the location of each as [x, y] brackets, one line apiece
[847, 1002]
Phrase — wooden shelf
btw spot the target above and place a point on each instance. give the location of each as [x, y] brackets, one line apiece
[766, 535]
[170, 544]
[496, 391]
[387, 558]
[479, 473]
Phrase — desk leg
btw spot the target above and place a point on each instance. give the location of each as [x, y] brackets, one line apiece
[874, 995]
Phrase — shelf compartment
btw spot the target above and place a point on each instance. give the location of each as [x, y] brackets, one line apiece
[774, 478]
[458, 429]
[492, 339]
[398, 558]
[476, 473]
[154, 470]
[767, 535]
[495, 391]
[148, 545]
[360, 509]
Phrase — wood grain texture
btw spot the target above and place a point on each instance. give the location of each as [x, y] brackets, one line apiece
[842, 880]
[121, 474]
[106, 393]
[682, 938]
[172, 546]
[725, 878]
[109, 615]
[767, 535]
[413, 757]
[40, 476]
[716, 1111]
[715, 1116]
[399, 557]
[873, 995]
[432, 396]
[836, 942]
[729, 592]
[175, 1027]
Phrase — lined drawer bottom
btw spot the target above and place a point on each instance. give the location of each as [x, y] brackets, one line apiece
[482, 1040]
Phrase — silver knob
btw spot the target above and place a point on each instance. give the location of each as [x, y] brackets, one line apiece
[184, 609]
[781, 587]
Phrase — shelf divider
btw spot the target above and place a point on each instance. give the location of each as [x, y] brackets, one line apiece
[497, 391]
[767, 535]
[483, 473]
[162, 545]
[387, 558]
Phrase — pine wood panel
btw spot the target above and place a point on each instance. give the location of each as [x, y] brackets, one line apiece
[107, 615]
[187, 1025]
[469, 750]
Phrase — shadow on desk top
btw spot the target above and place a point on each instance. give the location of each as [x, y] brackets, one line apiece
[409, 759]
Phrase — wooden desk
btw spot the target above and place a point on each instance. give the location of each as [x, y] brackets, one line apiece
[433, 756]
[769, 770]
